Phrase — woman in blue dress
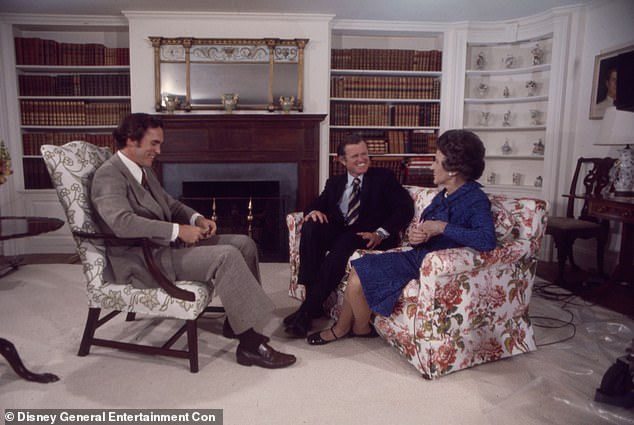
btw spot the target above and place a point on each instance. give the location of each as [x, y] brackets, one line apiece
[460, 215]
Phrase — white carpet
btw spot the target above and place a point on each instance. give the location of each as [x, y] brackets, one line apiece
[43, 309]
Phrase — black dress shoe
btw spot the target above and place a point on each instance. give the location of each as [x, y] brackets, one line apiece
[266, 357]
[299, 326]
[316, 339]
[289, 319]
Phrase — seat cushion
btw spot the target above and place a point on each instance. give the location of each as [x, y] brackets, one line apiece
[151, 301]
[567, 223]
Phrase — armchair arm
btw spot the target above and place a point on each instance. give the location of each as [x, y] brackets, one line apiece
[454, 261]
[165, 283]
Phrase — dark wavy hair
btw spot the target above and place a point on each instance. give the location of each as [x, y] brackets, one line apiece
[464, 153]
[134, 127]
[349, 139]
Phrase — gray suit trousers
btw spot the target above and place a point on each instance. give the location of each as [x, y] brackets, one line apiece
[229, 263]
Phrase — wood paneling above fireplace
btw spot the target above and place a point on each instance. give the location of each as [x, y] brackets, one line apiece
[246, 138]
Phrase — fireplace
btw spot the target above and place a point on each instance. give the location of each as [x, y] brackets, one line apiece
[226, 153]
[254, 208]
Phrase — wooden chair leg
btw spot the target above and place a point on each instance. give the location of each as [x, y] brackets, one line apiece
[563, 247]
[89, 331]
[192, 343]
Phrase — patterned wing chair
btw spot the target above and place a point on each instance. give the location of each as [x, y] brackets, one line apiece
[71, 168]
[467, 307]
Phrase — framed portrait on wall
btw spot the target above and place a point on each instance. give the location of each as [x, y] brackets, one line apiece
[604, 81]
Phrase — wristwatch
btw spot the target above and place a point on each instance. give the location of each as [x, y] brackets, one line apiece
[382, 234]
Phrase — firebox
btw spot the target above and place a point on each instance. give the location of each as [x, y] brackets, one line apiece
[254, 208]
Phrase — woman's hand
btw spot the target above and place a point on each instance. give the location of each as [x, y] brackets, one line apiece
[426, 230]
[433, 227]
[417, 236]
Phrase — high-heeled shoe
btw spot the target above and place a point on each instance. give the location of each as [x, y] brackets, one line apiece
[316, 339]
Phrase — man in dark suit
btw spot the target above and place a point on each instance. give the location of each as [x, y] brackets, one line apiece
[130, 202]
[342, 220]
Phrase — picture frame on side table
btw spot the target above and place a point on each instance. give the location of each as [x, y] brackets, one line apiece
[604, 81]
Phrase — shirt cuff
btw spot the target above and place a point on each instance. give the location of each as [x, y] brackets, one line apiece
[174, 232]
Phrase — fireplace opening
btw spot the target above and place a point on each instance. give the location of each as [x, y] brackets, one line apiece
[254, 208]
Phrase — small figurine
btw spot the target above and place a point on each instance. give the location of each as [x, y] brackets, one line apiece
[481, 61]
[506, 92]
[508, 60]
[484, 118]
[287, 103]
[506, 147]
[507, 119]
[538, 54]
[517, 179]
[535, 114]
[531, 87]
[491, 178]
[482, 89]
[538, 147]
[229, 101]
[538, 181]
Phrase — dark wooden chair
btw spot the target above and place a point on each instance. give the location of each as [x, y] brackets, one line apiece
[565, 230]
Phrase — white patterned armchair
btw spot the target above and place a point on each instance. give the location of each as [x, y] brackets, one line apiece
[71, 168]
[467, 307]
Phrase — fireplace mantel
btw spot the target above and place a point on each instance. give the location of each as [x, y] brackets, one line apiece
[246, 138]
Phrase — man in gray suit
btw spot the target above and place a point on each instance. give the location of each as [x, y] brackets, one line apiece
[130, 202]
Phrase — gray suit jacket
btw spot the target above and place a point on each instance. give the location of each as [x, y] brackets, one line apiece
[124, 208]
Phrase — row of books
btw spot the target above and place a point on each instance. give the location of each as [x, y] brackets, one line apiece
[35, 174]
[72, 112]
[387, 59]
[31, 142]
[74, 85]
[38, 51]
[369, 114]
[382, 87]
[392, 141]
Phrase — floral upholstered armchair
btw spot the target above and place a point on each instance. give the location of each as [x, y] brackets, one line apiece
[71, 168]
[467, 307]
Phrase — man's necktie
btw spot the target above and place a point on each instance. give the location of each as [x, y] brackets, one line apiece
[354, 204]
[144, 182]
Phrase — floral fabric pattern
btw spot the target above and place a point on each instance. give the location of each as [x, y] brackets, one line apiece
[467, 307]
[71, 168]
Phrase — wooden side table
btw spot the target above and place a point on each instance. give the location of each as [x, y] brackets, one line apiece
[21, 227]
[621, 209]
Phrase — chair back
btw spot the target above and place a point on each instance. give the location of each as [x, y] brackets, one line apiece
[71, 168]
[595, 182]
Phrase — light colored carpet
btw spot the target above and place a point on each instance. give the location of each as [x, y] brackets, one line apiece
[43, 309]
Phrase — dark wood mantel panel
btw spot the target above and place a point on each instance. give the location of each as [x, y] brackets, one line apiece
[246, 138]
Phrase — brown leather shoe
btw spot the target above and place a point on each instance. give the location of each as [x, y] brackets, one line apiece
[266, 357]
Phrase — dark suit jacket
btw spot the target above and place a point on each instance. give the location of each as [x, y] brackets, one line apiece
[384, 202]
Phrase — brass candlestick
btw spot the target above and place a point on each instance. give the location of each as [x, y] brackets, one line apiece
[214, 217]
[250, 218]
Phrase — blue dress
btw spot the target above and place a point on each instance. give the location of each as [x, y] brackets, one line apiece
[470, 223]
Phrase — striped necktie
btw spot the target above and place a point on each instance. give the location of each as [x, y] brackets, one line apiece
[354, 204]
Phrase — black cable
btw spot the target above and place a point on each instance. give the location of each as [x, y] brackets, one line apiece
[542, 289]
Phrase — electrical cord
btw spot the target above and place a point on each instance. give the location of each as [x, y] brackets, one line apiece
[552, 292]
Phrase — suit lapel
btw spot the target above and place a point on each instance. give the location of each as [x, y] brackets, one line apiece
[143, 198]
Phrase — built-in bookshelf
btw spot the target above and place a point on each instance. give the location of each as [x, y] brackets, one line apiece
[67, 91]
[391, 98]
